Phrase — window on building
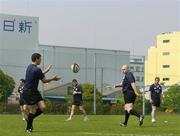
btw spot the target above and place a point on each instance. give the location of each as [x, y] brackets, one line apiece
[166, 41]
[142, 79]
[131, 68]
[165, 53]
[137, 78]
[142, 69]
[166, 79]
[166, 66]
[138, 69]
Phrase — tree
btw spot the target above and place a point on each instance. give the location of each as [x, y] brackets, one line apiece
[88, 94]
[1, 94]
[7, 85]
[171, 98]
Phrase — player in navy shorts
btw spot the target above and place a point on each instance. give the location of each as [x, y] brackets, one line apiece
[31, 95]
[23, 106]
[77, 100]
[155, 97]
[129, 92]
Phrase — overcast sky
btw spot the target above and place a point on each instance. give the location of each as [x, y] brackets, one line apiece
[108, 24]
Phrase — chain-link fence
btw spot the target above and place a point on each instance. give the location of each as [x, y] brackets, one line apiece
[97, 66]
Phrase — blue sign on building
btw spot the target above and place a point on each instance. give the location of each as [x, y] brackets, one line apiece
[22, 26]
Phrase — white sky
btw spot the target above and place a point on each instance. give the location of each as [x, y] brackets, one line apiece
[108, 24]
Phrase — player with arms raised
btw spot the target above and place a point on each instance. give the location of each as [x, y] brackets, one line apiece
[31, 95]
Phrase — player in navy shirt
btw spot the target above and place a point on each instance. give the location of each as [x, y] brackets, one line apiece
[31, 95]
[155, 97]
[129, 92]
[21, 100]
[77, 100]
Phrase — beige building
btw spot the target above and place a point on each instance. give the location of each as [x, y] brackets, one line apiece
[164, 60]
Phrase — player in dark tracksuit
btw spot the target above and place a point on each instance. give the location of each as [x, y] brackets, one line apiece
[31, 95]
[77, 100]
[129, 92]
[21, 100]
[155, 97]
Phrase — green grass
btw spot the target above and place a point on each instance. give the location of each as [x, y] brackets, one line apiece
[99, 125]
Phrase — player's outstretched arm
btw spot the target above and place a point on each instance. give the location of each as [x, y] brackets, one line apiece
[117, 85]
[47, 80]
[133, 84]
[47, 69]
[150, 99]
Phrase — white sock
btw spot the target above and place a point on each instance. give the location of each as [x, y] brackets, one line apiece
[153, 115]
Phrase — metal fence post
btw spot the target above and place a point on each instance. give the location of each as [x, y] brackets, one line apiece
[42, 92]
[143, 101]
[95, 83]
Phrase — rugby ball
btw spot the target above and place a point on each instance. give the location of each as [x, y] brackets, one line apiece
[75, 68]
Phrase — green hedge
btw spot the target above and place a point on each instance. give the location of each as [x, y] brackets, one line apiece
[9, 108]
[62, 108]
[101, 109]
[105, 109]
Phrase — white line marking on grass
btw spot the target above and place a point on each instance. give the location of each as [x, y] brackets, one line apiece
[116, 134]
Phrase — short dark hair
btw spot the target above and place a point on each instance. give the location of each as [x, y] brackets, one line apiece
[22, 80]
[157, 78]
[35, 56]
[74, 80]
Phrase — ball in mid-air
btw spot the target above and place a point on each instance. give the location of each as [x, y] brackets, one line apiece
[75, 68]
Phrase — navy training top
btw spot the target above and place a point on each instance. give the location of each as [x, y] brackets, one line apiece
[127, 80]
[20, 90]
[77, 97]
[155, 90]
[33, 75]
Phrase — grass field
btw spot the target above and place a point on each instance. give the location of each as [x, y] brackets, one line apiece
[99, 125]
